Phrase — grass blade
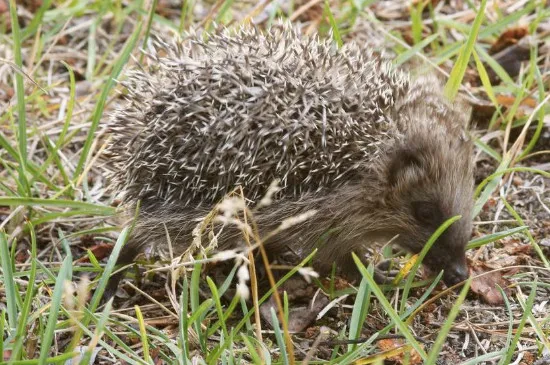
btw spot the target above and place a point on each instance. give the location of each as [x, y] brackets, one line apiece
[440, 340]
[492, 181]
[91, 208]
[98, 111]
[49, 332]
[411, 52]
[333, 25]
[9, 282]
[195, 306]
[279, 336]
[359, 313]
[36, 20]
[478, 242]
[94, 302]
[20, 92]
[421, 255]
[143, 334]
[459, 69]
[527, 311]
[534, 243]
[389, 309]
[184, 323]
[29, 295]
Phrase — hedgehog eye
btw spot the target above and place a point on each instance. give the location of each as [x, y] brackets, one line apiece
[426, 212]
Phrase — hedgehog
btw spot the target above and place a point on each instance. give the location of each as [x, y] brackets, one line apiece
[379, 153]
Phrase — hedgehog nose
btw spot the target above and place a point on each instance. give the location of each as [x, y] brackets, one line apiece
[456, 274]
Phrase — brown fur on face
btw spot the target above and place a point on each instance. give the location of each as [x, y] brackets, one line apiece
[429, 184]
[430, 177]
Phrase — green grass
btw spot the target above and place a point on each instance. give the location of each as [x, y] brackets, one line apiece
[53, 203]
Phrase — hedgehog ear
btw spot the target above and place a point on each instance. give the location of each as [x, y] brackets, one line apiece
[404, 161]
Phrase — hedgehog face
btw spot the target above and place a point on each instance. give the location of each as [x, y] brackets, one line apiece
[429, 184]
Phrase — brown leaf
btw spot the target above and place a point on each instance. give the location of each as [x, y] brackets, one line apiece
[485, 286]
[391, 344]
[339, 283]
[21, 256]
[428, 313]
[7, 91]
[502, 261]
[100, 251]
[5, 19]
[307, 10]
[508, 38]
[32, 5]
[507, 100]
[518, 249]
[513, 271]
[154, 353]
[312, 332]
[528, 358]
[491, 202]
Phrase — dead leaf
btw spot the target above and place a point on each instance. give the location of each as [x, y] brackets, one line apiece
[394, 344]
[166, 8]
[502, 261]
[528, 358]
[513, 271]
[307, 10]
[32, 5]
[312, 332]
[100, 251]
[508, 38]
[519, 249]
[428, 313]
[491, 202]
[485, 286]
[339, 283]
[5, 19]
[506, 100]
[21, 256]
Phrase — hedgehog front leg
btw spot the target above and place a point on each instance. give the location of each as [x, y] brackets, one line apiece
[385, 272]
[127, 255]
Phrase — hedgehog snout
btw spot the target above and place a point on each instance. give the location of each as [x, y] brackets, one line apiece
[455, 273]
[452, 262]
[450, 258]
[456, 239]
